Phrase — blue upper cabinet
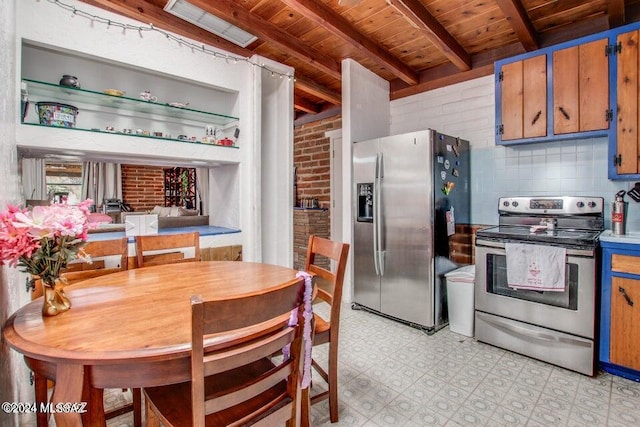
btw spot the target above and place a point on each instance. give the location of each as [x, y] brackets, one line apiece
[569, 91]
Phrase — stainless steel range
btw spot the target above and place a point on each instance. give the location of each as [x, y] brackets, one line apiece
[558, 325]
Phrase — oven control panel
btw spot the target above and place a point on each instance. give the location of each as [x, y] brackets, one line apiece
[564, 205]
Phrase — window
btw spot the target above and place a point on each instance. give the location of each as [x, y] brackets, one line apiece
[64, 182]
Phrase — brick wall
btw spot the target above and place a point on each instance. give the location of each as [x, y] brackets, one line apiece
[305, 223]
[311, 158]
[143, 186]
[462, 244]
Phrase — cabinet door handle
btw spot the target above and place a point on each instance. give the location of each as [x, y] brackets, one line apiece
[535, 119]
[564, 113]
[625, 295]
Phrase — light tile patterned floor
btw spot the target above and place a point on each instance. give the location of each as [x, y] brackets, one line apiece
[394, 375]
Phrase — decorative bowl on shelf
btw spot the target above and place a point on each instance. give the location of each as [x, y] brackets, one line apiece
[70, 81]
[57, 114]
[178, 104]
[114, 92]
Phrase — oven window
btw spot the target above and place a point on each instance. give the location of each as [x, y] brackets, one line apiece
[497, 284]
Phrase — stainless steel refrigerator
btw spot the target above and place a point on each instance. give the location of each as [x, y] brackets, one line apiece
[410, 191]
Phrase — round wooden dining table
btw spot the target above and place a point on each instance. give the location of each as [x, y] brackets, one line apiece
[127, 329]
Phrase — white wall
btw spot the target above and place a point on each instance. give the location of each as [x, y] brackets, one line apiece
[365, 115]
[275, 183]
[465, 109]
[14, 375]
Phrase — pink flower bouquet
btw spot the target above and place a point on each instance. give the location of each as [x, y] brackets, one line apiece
[43, 240]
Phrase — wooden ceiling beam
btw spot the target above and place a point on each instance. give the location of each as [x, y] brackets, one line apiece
[419, 16]
[579, 29]
[340, 27]
[309, 86]
[149, 13]
[483, 63]
[237, 15]
[615, 10]
[299, 103]
[447, 74]
[516, 14]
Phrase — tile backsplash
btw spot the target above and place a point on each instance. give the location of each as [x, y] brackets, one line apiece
[565, 168]
[467, 109]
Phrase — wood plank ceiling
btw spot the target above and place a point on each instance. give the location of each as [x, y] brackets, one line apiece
[416, 45]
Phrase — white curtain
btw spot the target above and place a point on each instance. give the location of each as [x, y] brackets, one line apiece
[202, 186]
[34, 184]
[101, 181]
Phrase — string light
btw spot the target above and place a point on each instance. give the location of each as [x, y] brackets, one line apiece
[181, 42]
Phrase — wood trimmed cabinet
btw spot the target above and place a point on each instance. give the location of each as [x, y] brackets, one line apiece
[592, 90]
[626, 146]
[524, 98]
[581, 105]
[620, 309]
[556, 93]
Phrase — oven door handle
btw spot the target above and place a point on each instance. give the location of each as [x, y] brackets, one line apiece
[541, 336]
[499, 245]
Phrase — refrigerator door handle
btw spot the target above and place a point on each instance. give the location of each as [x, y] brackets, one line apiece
[380, 223]
[375, 216]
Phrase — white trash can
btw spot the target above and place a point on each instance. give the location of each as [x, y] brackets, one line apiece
[460, 290]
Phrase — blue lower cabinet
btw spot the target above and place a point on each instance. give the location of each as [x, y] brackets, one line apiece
[620, 310]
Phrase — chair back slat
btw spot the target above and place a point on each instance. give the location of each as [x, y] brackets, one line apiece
[329, 277]
[262, 306]
[321, 272]
[279, 414]
[103, 248]
[215, 402]
[163, 242]
[220, 361]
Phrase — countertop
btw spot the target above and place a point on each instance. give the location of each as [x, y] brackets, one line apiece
[204, 230]
[632, 237]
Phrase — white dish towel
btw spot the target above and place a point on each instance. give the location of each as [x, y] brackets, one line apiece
[535, 267]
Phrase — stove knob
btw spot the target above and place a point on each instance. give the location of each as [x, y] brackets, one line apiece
[505, 203]
[515, 204]
[591, 204]
[580, 204]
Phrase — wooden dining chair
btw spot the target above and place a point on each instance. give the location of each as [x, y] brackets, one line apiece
[98, 251]
[329, 290]
[147, 247]
[234, 379]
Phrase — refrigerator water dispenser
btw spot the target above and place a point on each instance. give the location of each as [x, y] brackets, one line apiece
[365, 202]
